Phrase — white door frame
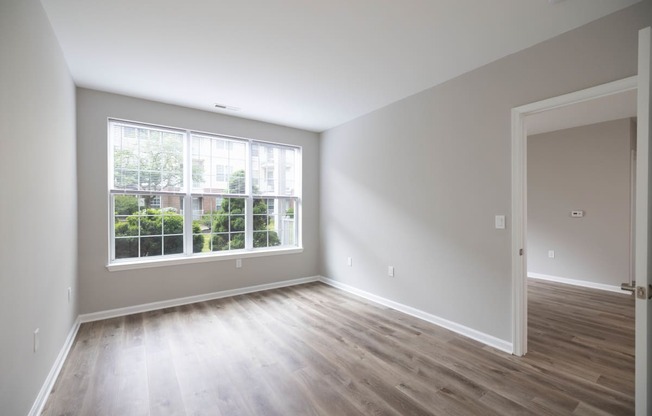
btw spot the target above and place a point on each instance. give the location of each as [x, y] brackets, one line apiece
[643, 255]
[519, 194]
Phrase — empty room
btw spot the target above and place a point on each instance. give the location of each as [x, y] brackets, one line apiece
[324, 208]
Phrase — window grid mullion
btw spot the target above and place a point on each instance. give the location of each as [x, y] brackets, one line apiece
[249, 204]
[187, 199]
[112, 227]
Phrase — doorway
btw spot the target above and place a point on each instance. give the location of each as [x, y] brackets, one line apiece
[519, 189]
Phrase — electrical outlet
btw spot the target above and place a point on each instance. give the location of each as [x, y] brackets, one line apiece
[551, 254]
[36, 340]
[349, 261]
[69, 294]
[238, 263]
[390, 271]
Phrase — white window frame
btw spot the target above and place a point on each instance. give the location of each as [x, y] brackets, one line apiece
[188, 194]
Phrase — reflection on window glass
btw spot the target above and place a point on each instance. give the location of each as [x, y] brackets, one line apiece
[273, 170]
[146, 159]
[226, 162]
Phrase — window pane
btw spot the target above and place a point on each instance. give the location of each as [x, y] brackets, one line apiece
[286, 222]
[218, 164]
[237, 223]
[173, 244]
[204, 215]
[221, 226]
[265, 233]
[237, 241]
[147, 225]
[288, 185]
[220, 241]
[150, 246]
[274, 222]
[146, 158]
[260, 239]
[126, 248]
[273, 169]
[263, 168]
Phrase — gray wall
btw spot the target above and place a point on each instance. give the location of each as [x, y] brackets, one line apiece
[102, 290]
[38, 209]
[583, 168]
[416, 184]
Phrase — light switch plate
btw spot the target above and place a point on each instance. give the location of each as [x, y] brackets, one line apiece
[500, 222]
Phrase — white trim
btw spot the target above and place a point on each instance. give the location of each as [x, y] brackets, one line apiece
[44, 393]
[599, 91]
[519, 232]
[643, 255]
[575, 282]
[632, 215]
[519, 193]
[486, 339]
[182, 259]
[146, 307]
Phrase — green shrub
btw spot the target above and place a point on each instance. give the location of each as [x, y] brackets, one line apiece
[228, 226]
[125, 204]
[147, 225]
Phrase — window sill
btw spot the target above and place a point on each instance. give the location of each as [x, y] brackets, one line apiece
[173, 261]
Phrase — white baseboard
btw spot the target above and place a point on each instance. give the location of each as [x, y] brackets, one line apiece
[114, 313]
[574, 282]
[43, 395]
[487, 339]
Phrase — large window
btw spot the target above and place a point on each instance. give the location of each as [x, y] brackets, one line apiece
[186, 194]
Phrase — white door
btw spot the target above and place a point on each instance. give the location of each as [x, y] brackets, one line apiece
[643, 214]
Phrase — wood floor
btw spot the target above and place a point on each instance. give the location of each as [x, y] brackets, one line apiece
[315, 350]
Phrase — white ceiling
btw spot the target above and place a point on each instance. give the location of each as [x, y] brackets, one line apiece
[611, 107]
[302, 63]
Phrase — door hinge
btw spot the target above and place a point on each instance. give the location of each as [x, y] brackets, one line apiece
[520, 251]
[643, 292]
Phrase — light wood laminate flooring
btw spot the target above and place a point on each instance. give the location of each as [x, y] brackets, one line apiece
[316, 350]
